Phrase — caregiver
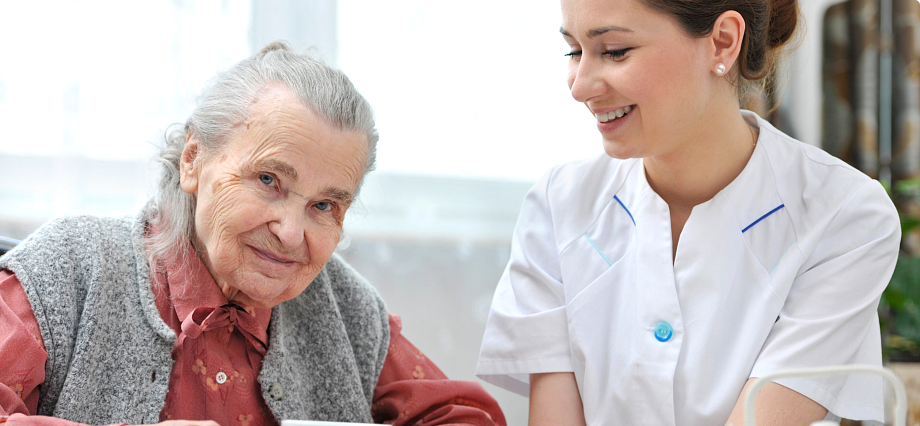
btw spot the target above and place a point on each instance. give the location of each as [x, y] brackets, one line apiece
[651, 285]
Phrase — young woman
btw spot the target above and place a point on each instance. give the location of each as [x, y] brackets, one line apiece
[651, 285]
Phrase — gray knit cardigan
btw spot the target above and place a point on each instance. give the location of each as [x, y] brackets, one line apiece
[109, 361]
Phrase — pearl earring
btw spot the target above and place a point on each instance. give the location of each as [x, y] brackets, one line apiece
[720, 69]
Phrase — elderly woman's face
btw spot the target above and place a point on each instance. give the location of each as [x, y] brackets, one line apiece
[270, 203]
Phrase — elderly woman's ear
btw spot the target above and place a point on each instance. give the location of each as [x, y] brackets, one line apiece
[189, 165]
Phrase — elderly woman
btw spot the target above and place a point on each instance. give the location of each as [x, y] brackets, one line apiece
[223, 299]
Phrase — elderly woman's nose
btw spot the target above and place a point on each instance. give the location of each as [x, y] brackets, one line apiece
[289, 228]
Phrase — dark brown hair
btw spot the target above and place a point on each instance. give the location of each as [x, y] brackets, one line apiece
[769, 25]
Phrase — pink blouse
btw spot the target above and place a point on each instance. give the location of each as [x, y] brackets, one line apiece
[217, 359]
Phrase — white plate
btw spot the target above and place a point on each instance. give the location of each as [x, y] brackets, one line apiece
[321, 423]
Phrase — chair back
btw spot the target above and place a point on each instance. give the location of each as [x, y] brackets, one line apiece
[7, 244]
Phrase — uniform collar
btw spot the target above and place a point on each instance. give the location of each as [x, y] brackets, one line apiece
[749, 196]
[753, 193]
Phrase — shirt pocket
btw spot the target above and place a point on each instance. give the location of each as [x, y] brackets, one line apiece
[773, 242]
[612, 285]
[602, 244]
[602, 326]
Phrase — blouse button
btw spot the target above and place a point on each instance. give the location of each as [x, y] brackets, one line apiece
[663, 331]
[276, 391]
[221, 378]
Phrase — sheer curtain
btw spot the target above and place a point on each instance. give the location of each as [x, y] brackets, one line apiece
[87, 89]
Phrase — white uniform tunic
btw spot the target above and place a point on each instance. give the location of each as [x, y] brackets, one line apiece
[783, 268]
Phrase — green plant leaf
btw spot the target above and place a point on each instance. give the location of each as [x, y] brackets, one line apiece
[902, 297]
[909, 223]
[908, 185]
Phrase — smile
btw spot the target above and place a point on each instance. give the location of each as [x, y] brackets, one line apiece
[271, 256]
[613, 115]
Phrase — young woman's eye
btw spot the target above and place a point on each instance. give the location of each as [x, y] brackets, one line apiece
[267, 179]
[323, 206]
[616, 54]
[575, 54]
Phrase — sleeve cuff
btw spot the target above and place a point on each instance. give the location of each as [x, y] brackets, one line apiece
[515, 375]
[861, 398]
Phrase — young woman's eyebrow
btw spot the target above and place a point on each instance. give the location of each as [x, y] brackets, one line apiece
[598, 31]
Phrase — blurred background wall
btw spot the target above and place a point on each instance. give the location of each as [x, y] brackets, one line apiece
[472, 108]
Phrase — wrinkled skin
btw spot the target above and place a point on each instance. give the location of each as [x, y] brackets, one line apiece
[270, 203]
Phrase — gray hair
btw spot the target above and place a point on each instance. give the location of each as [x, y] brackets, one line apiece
[225, 104]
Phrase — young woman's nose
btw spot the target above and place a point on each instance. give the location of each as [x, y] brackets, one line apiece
[584, 81]
[289, 227]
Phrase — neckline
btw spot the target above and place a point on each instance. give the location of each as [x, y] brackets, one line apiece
[755, 122]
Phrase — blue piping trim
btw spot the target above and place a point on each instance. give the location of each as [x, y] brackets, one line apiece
[598, 250]
[627, 210]
[763, 217]
[781, 257]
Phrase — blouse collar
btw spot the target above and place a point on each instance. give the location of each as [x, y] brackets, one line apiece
[188, 285]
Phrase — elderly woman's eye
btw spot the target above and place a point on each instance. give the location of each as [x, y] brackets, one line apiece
[267, 179]
[324, 206]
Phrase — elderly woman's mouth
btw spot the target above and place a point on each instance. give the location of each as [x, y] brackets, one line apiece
[270, 256]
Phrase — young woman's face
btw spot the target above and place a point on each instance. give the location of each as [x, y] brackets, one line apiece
[646, 82]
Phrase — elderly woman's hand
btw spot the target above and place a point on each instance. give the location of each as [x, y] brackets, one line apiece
[186, 423]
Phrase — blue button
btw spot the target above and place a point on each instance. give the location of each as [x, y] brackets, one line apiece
[663, 331]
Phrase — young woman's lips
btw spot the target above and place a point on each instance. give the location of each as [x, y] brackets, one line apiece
[613, 125]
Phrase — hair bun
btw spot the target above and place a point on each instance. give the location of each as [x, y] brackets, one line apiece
[784, 17]
[275, 45]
